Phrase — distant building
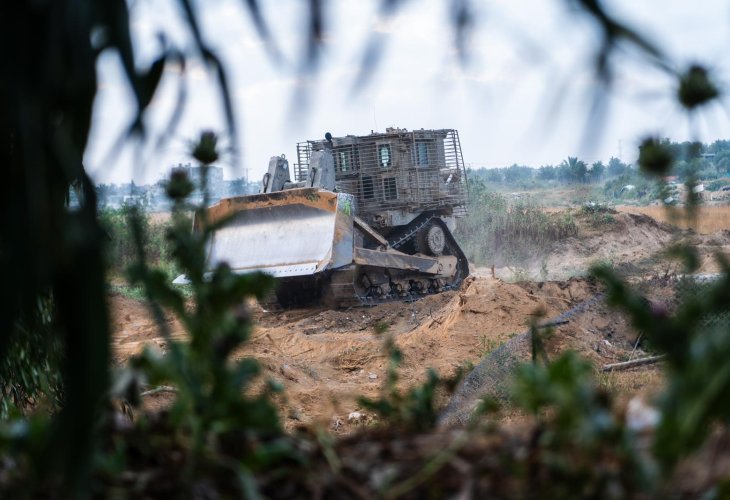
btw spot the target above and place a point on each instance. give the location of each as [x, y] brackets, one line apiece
[214, 181]
[238, 187]
[153, 197]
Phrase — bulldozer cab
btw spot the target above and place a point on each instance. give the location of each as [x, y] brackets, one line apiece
[397, 175]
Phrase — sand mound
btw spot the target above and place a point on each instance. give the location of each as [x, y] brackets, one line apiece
[326, 359]
[628, 239]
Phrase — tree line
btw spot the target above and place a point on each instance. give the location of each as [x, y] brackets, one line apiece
[690, 160]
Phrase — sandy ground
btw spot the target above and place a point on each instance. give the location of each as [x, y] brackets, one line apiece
[709, 219]
[326, 359]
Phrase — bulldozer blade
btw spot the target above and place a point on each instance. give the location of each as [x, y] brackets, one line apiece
[290, 233]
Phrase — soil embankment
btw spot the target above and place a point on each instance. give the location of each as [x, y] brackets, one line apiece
[326, 359]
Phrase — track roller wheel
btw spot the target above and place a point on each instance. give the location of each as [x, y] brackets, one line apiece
[397, 289]
[436, 285]
[418, 286]
[431, 240]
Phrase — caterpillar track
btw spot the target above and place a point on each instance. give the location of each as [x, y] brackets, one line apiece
[345, 287]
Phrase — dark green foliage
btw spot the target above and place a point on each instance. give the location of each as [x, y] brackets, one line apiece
[597, 171]
[571, 171]
[574, 170]
[205, 149]
[579, 447]
[121, 251]
[696, 88]
[212, 405]
[598, 215]
[644, 188]
[48, 54]
[697, 351]
[514, 174]
[655, 157]
[30, 373]
[616, 167]
[601, 219]
[658, 157]
[46, 96]
[179, 186]
[688, 160]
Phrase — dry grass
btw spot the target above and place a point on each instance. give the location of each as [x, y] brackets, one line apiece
[710, 220]
[630, 382]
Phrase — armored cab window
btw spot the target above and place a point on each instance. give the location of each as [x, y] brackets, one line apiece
[385, 158]
[344, 160]
[368, 188]
[390, 191]
[421, 153]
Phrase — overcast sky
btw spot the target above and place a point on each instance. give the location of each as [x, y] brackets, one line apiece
[524, 96]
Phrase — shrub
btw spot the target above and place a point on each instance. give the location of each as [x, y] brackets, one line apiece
[500, 233]
[717, 185]
[30, 371]
[598, 215]
[120, 250]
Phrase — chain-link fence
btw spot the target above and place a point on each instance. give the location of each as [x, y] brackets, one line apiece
[697, 286]
[492, 376]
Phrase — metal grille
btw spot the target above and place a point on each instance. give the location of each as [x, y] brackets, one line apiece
[397, 170]
[302, 165]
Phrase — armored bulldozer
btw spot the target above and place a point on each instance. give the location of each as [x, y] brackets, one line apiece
[366, 219]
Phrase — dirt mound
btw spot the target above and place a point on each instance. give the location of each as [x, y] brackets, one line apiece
[619, 240]
[628, 241]
[326, 359]
[633, 243]
[590, 328]
[133, 327]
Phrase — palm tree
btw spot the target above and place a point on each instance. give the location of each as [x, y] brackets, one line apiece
[574, 170]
